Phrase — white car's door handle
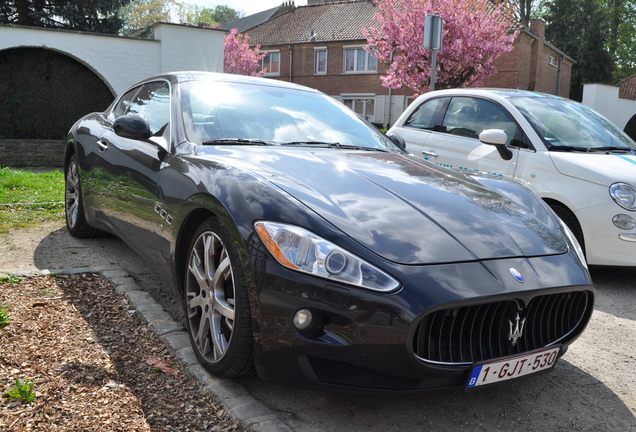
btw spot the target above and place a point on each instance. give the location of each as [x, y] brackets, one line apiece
[430, 153]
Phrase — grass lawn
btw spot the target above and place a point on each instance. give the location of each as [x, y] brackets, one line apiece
[28, 198]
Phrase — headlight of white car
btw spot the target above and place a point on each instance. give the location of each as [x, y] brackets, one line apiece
[624, 195]
[299, 249]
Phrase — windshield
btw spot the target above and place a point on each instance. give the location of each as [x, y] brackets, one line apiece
[566, 125]
[217, 112]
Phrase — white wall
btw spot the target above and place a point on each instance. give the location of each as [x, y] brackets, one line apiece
[604, 99]
[121, 61]
[190, 48]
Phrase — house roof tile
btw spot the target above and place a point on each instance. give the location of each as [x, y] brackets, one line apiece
[627, 88]
[339, 21]
[246, 23]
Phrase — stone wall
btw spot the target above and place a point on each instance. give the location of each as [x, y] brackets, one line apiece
[32, 153]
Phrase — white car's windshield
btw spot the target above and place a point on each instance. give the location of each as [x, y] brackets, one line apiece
[218, 112]
[566, 125]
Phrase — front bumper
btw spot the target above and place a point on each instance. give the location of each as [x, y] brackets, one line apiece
[408, 341]
[605, 244]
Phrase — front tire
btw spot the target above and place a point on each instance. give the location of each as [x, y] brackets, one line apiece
[218, 317]
[74, 203]
[571, 221]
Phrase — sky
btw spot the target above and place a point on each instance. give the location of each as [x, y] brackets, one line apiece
[248, 6]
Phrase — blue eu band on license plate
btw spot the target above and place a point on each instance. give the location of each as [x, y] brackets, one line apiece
[508, 368]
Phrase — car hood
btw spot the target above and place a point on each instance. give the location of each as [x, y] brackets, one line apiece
[600, 168]
[404, 209]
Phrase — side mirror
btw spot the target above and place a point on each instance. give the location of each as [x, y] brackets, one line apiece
[498, 138]
[397, 140]
[132, 126]
[493, 137]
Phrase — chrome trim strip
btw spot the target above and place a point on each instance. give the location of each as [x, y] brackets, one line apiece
[627, 237]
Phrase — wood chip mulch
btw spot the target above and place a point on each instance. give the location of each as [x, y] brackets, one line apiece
[95, 365]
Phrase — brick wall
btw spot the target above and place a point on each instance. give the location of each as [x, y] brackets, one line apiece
[335, 81]
[32, 153]
[527, 67]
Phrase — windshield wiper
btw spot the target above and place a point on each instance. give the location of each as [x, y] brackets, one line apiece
[243, 141]
[612, 148]
[355, 147]
[331, 145]
[312, 143]
[569, 148]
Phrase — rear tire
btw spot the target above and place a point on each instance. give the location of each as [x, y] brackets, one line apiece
[74, 203]
[217, 310]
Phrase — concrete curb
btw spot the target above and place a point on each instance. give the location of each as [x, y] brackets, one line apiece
[236, 400]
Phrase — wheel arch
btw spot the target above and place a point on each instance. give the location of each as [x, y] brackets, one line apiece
[69, 151]
[568, 217]
[198, 210]
[189, 226]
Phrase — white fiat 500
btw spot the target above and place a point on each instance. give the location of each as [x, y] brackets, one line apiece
[580, 163]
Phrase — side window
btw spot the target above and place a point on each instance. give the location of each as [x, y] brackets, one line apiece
[124, 103]
[424, 116]
[153, 102]
[468, 117]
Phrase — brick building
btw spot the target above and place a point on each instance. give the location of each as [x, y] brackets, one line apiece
[321, 45]
[534, 64]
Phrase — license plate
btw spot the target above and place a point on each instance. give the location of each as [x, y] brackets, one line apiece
[507, 368]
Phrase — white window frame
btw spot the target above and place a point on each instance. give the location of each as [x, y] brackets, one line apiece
[552, 60]
[355, 60]
[318, 50]
[361, 98]
[266, 63]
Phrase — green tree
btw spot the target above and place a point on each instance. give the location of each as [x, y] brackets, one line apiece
[622, 34]
[580, 28]
[85, 15]
[526, 10]
[223, 13]
[141, 14]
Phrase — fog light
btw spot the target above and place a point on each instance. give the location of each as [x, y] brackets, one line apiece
[624, 222]
[303, 319]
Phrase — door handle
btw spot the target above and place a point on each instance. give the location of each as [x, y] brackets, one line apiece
[102, 145]
[430, 153]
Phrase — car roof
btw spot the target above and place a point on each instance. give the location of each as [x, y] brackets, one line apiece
[491, 92]
[185, 76]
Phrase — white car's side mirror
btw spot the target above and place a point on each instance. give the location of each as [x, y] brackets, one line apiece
[498, 138]
[493, 136]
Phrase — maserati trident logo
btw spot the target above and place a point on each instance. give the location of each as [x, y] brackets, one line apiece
[516, 329]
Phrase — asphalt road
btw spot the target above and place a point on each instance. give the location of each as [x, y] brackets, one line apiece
[593, 387]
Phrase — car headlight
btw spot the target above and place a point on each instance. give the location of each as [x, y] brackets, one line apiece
[299, 249]
[573, 242]
[624, 195]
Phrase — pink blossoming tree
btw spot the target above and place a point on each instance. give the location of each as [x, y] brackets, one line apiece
[476, 33]
[239, 57]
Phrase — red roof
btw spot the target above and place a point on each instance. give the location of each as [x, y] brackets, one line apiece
[338, 21]
[627, 88]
